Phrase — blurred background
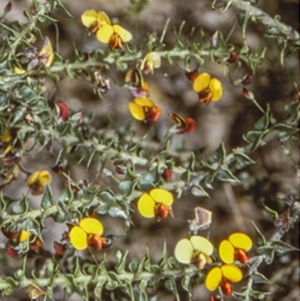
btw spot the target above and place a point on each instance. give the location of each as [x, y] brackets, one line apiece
[234, 207]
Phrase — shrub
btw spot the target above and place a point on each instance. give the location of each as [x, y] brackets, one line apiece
[145, 165]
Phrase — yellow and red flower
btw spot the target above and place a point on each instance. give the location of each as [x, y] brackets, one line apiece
[156, 203]
[38, 181]
[183, 125]
[223, 276]
[87, 234]
[235, 248]
[150, 62]
[99, 24]
[208, 88]
[93, 20]
[196, 250]
[144, 109]
[114, 35]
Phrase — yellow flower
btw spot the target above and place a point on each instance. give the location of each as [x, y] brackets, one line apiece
[38, 180]
[93, 20]
[235, 248]
[46, 55]
[208, 88]
[223, 276]
[156, 203]
[144, 109]
[87, 234]
[114, 35]
[196, 250]
[150, 62]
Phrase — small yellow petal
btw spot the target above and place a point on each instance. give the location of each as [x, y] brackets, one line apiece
[150, 62]
[89, 17]
[213, 279]
[124, 34]
[144, 102]
[17, 70]
[50, 60]
[226, 251]
[216, 89]
[46, 48]
[131, 76]
[231, 273]
[184, 251]
[78, 238]
[144, 85]
[91, 225]
[6, 136]
[136, 111]
[201, 82]
[105, 33]
[103, 18]
[154, 57]
[162, 196]
[46, 54]
[146, 206]
[241, 241]
[7, 149]
[202, 244]
[44, 177]
[24, 236]
[33, 178]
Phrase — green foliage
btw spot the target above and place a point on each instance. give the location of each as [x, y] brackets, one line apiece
[124, 165]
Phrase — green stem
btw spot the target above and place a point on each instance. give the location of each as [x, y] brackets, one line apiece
[82, 279]
[265, 19]
[258, 106]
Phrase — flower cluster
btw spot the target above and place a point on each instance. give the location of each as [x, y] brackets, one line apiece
[142, 108]
[198, 250]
